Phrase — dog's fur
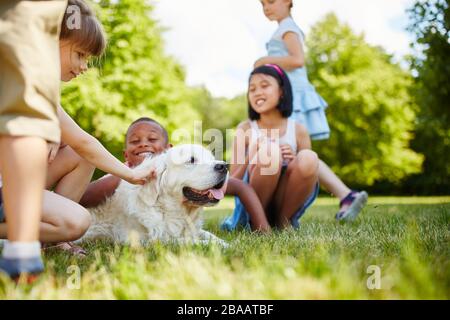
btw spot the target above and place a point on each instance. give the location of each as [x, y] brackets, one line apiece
[168, 207]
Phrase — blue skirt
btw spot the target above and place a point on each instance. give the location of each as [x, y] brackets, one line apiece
[241, 218]
[309, 110]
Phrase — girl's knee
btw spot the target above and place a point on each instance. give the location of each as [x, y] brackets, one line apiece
[87, 167]
[307, 163]
[269, 155]
[70, 157]
[77, 225]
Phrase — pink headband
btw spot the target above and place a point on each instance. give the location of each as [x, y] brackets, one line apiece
[277, 68]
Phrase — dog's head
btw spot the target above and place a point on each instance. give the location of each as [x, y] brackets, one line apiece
[188, 174]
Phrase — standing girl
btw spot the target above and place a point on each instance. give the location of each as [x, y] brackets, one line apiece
[285, 49]
[272, 153]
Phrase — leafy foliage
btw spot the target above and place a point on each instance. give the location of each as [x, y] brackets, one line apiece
[135, 78]
[430, 23]
[371, 113]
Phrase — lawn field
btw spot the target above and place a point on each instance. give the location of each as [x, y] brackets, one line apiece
[398, 248]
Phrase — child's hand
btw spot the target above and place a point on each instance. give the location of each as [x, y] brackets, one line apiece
[260, 62]
[142, 175]
[287, 153]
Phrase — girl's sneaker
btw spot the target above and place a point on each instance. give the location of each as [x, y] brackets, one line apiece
[354, 202]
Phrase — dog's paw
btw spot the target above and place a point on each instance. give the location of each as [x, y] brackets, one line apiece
[222, 243]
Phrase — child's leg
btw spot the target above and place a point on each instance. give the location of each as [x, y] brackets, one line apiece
[23, 182]
[300, 179]
[264, 180]
[62, 220]
[29, 81]
[250, 200]
[69, 174]
[331, 182]
[351, 202]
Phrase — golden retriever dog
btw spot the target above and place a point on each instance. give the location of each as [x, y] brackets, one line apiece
[168, 207]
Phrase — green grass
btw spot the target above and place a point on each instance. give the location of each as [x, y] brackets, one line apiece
[407, 238]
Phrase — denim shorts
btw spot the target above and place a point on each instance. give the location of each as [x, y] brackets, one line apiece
[241, 218]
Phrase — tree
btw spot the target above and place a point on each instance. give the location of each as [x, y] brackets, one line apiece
[220, 113]
[135, 78]
[371, 113]
[430, 23]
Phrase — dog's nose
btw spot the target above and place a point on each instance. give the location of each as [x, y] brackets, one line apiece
[221, 167]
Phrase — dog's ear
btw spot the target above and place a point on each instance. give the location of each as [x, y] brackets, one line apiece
[150, 191]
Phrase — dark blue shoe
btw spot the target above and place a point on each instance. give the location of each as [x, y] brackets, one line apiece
[355, 201]
[14, 268]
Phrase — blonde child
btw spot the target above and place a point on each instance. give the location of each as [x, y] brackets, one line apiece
[72, 162]
[29, 94]
[285, 49]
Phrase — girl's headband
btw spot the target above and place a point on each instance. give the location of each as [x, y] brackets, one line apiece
[277, 68]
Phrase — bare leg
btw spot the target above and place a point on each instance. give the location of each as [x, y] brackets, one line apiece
[250, 200]
[331, 182]
[23, 164]
[263, 183]
[62, 219]
[70, 173]
[300, 179]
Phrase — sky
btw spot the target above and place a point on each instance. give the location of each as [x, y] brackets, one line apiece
[217, 41]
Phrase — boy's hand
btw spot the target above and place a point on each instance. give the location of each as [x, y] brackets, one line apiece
[142, 175]
[287, 153]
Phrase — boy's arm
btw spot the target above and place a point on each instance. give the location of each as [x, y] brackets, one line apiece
[97, 191]
[295, 59]
[92, 150]
[250, 200]
[239, 156]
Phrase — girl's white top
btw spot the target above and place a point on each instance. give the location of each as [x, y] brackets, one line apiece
[288, 138]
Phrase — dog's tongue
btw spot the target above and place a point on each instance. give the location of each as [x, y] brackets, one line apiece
[219, 194]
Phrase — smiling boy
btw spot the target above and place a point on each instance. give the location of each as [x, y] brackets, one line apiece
[146, 137]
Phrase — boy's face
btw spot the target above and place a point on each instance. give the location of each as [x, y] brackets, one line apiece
[74, 60]
[143, 139]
